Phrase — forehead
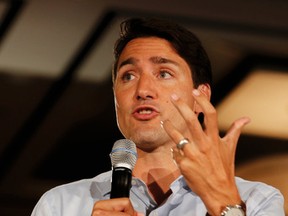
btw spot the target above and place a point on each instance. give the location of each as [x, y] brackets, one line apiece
[145, 48]
[161, 42]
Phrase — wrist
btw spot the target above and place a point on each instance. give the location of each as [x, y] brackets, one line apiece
[233, 210]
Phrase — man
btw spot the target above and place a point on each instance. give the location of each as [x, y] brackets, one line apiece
[161, 82]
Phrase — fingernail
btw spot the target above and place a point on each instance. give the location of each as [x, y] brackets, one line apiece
[196, 92]
[175, 97]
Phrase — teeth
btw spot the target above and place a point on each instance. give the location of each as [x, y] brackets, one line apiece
[145, 111]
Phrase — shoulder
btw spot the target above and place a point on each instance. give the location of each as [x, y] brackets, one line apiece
[81, 186]
[248, 188]
[260, 197]
[74, 195]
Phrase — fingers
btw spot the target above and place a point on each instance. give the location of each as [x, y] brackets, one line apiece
[178, 155]
[188, 115]
[195, 131]
[210, 120]
[114, 207]
[199, 136]
[176, 136]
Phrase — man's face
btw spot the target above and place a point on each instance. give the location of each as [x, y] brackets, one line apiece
[149, 71]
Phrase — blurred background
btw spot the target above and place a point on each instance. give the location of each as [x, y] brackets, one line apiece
[57, 120]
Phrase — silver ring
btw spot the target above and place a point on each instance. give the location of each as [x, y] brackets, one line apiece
[182, 142]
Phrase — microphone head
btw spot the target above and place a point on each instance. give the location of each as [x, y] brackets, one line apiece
[124, 154]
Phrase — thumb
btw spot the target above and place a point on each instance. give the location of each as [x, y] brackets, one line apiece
[234, 131]
[139, 214]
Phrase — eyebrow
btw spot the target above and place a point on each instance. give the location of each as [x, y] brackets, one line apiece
[161, 60]
[154, 59]
[128, 61]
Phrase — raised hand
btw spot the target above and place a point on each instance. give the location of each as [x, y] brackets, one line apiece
[207, 160]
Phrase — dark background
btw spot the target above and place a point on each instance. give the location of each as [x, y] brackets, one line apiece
[57, 119]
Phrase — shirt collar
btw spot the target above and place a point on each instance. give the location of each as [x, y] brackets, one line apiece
[102, 187]
[179, 184]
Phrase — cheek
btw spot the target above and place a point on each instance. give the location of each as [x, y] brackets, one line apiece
[186, 92]
[119, 115]
[122, 104]
[122, 99]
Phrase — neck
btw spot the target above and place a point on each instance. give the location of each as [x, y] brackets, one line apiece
[158, 170]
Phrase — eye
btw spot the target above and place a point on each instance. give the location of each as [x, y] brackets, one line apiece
[164, 74]
[127, 77]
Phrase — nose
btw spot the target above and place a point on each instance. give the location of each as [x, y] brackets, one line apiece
[146, 88]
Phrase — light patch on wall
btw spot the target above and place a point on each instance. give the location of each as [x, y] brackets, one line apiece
[262, 96]
[97, 66]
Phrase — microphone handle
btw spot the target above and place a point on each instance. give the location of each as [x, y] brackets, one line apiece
[121, 182]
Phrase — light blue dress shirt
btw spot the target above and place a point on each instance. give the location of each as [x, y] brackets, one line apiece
[77, 198]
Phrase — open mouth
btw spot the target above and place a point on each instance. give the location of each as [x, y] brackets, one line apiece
[145, 111]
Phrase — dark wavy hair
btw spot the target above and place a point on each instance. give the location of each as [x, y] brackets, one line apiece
[186, 44]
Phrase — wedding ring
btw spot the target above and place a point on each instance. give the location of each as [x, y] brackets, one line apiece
[182, 142]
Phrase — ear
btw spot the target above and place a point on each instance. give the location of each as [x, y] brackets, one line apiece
[205, 90]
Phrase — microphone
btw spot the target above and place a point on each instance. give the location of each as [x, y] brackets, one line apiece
[123, 158]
